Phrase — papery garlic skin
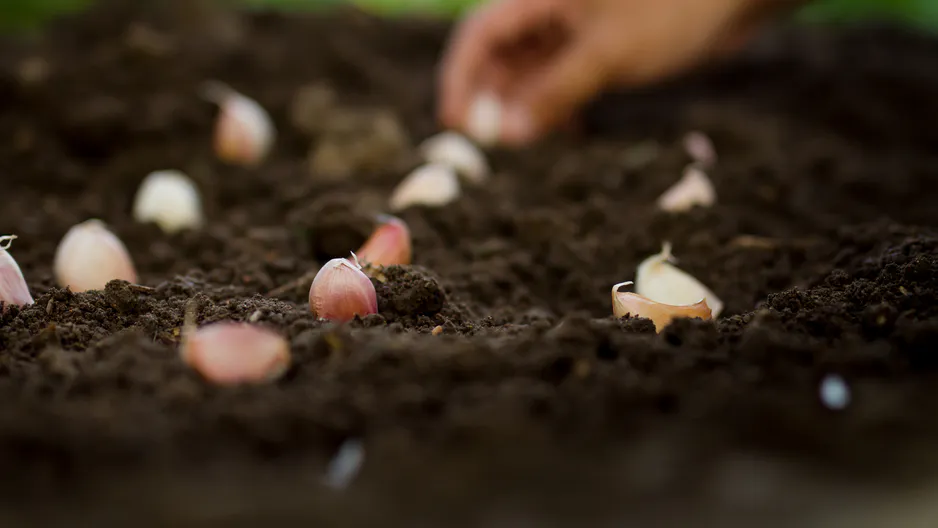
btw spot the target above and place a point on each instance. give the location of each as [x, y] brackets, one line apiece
[484, 121]
[700, 148]
[244, 131]
[635, 305]
[13, 288]
[661, 281]
[388, 245]
[431, 185]
[171, 200]
[89, 256]
[455, 150]
[693, 189]
[229, 353]
[341, 290]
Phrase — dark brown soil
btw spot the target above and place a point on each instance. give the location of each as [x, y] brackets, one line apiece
[535, 407]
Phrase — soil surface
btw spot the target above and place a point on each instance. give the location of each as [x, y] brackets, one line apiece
[534, 407]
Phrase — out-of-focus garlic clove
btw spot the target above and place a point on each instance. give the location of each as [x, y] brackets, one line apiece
[90, 256]
[694, 188]
[455, 150]
[388, 245]
[171, 200]
[341, 290]
[635, 305]
[13, 289]
[229, 353]
[484, 122]
[244, 131]
[431, 185]
[700, 148]
[661, 281]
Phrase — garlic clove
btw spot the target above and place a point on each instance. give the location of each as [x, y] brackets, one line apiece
[13, 289]
[244, 131]
[170, 199]
[388, 245]
[659, 280]
[635, 305]
[341, 291]
[700, 148]
[455, 150]
[484, 122]
[431, 185]
[694, 188]
[229, 353]
[89, 256]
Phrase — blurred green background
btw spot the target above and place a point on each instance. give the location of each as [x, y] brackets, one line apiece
[26, 14]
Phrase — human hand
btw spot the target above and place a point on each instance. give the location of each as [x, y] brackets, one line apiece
[546, 58]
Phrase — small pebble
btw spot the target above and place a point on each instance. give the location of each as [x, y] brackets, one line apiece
[834, 392]
[437, 330]
[345, 465]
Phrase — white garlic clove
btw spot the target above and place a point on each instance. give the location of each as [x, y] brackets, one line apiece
[635, 305]
[455, 150]
[484, 122]
[244, 131]
[171, 200]
[432, 185]
[700, 148]
[661, 281]
[693, 189]
[229, 353]
[13, 289]
[341, 290]
[90, 256]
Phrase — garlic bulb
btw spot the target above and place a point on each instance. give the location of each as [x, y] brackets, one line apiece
[661, 281]
[228, 353]
[455, 150]
[635, 305]
[244, 131]
[432, 185]
[170, 199]
[13, 289]
[484, 122]
[694, 188]
[90, 256]
[341, 291]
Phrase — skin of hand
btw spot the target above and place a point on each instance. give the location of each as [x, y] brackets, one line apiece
[546, 58]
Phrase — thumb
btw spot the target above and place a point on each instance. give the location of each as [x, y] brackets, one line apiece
[552, 94]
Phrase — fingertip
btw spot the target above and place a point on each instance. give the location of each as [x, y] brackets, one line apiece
[518, 127]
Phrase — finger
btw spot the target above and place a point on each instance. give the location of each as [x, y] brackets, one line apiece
[574, 77]
[471, 53]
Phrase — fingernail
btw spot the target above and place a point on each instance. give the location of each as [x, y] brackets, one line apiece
[518, 126]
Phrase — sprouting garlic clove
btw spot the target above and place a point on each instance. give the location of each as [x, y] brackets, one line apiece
[341, 290]
[659, 280]
[170, 199]
[229, 353]
[388, 245]
[694, 188]
[635, 305]
[431, 185]
[484, 122]
[13, 289]
[89, 256]
[244, 131]
[455, 150]
[700, 148]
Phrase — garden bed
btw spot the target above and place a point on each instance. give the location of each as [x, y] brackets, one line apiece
[534, 403]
